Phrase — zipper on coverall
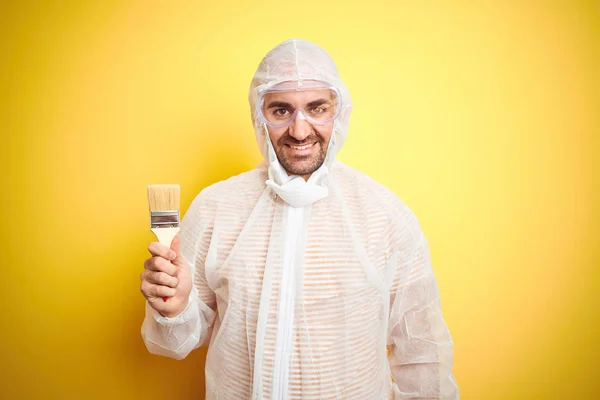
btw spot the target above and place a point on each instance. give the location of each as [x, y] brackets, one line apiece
[287, 295]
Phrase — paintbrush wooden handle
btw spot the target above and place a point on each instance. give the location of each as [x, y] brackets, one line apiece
[165, 237]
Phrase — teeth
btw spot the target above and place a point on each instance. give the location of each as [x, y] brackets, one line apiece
[300, 147]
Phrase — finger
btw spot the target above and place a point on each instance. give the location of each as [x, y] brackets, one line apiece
[162, 291]
[160, 250]
[176, 247]
[151, 291]
[161, 265]
[160, 278]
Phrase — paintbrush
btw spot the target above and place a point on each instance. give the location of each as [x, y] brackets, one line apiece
[164, 213]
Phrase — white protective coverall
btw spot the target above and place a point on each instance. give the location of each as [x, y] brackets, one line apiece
[300, 287]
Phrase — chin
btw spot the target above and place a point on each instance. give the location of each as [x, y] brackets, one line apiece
[300, 165]
[304, 168]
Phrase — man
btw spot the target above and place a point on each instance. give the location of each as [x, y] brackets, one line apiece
[309, 279]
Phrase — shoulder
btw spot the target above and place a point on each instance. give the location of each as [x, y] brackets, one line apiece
[237, 191]
[250, 183]
[375, 198]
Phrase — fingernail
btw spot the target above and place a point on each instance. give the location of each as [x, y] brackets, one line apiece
[172, 255]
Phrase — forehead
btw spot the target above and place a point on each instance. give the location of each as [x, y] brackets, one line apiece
[299, 96]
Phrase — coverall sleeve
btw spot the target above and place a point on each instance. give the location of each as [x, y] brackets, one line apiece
[176, 337]
[420, 348]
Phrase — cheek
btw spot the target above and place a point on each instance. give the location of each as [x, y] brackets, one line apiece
[325, 131]
[275, 134]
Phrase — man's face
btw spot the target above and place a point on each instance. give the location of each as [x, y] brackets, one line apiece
[301, 146]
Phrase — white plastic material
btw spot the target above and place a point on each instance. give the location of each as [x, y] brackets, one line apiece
[301, 288]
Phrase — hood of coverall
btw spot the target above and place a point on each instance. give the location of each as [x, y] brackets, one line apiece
[299, 60]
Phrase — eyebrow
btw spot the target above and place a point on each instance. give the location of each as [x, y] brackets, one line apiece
[317, 102]
[279, 104]
[283, 104]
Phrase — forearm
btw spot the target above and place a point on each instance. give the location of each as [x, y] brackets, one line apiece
[176, 337]
[421, 347]
[421, 355]
[427, 380]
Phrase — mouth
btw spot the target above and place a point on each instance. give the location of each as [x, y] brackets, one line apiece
[301, 148]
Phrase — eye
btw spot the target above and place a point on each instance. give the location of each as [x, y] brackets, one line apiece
[318, 110]
[281, 112]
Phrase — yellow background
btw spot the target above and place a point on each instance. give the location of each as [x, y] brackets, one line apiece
[482, 116]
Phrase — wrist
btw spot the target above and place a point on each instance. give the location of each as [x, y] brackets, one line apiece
[178, 311]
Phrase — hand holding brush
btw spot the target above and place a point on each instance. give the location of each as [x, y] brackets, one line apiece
[166, 280]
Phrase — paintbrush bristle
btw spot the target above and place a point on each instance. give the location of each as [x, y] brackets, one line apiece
[163, 197]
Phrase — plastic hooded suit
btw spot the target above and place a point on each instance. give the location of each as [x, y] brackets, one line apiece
[308, 290]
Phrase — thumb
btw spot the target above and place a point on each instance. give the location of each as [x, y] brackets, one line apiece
[176, 247]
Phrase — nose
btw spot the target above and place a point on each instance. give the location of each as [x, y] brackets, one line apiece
[300, 128]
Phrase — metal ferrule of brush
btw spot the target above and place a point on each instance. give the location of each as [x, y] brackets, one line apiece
[164, 219]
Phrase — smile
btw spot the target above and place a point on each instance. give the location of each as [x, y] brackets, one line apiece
[304, 147]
